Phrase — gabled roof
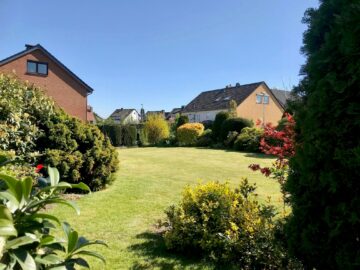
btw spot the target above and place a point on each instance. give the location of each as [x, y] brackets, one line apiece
[121, 114]
[31, 48]
[282, 96]
[219, 99]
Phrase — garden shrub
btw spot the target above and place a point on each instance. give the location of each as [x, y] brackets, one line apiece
[119, 134]
[230, 139]
[156, 128]
[129, 135]
[324, 227]
[183, 119]
[188, 134]
[234, 124]
[36, 130]
[216, 128]
[208, 124]
[249, 139]
[225, 225]
[168, 142]
[205, 139]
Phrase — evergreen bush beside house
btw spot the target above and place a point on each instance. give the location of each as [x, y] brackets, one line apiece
[323, 229]
[233, 124]
[37, 131]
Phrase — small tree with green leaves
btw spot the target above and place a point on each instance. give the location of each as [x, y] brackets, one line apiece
[156, 128]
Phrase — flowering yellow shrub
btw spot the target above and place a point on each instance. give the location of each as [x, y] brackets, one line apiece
[188, 133]
[226, 225]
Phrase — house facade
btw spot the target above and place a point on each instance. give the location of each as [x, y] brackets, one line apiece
[36, 65]
[125, 116]
[254, 101]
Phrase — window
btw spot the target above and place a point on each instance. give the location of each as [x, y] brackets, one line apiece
[266, 99]
[37, 67]
[259, 98]
[262, 98]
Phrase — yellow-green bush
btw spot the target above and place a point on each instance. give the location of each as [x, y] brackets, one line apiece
[156, 128]
[225, 225]
[188, 133]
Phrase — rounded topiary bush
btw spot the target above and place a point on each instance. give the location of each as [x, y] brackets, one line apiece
[188, 134]
[249, 140]
[234, 124]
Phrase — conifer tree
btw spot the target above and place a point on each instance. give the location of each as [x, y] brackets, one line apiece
[324, 184]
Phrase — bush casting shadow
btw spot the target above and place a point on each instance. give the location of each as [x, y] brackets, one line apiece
[153, 254]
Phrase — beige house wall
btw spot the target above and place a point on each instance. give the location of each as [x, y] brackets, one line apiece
[271, 112]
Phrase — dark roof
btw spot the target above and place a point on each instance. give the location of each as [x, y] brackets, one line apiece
[176, 110]
[31, 48]
[121, 114]
[282, 96]
[219, 99]
[155, 112]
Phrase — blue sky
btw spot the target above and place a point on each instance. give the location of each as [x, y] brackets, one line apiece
[161, 53]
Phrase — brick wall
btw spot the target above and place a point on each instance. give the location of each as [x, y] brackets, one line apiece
[67, 92]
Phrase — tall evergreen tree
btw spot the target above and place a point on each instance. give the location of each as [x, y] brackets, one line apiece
[324, 228]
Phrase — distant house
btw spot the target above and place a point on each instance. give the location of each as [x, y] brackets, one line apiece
[254, 101]
[36, 65]
[90, 115]
[162, 113]
[171, 116]
[125, 116]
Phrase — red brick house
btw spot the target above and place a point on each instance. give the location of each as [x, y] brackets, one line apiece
[36, 65]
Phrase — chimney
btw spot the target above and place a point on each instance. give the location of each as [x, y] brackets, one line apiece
[28, 46]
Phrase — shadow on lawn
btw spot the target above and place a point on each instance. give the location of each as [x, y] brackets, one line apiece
[154, 254]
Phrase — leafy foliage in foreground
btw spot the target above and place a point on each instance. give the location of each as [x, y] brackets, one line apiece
[28, 243]
[226, 226]
[324, 228]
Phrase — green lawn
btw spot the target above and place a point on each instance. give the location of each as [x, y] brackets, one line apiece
[149, 180]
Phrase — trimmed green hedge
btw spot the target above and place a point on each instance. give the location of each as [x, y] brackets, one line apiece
[121, 135]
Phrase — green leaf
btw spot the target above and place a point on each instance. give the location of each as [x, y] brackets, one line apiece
[2, 266]
[13, 185]
[91, 254]
[83, 242]
[81, 186]
[46, 216]
[68, 203]
[12, 201]
[27, 184]
[53, 175]
[49, 259]
[72, 241]
[82, 262]
[7, 227]
[61, 267]
[24, 258]
[21, 241]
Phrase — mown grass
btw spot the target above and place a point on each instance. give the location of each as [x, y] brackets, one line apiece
[149, 180]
